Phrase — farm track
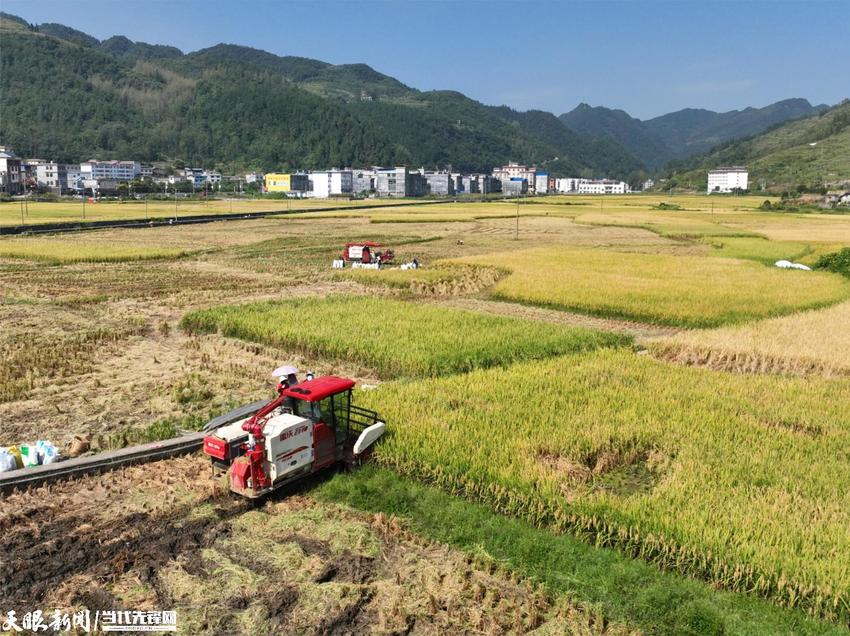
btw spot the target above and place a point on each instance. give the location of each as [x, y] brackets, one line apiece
[641, 331]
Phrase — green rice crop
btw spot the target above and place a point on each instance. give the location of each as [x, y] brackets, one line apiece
[740, 480]
[396, 338]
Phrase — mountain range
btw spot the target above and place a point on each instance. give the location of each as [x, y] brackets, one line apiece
[68, 96]
[683, 133]
[807, 153]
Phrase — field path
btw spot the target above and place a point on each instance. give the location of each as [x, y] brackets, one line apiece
[637, 329]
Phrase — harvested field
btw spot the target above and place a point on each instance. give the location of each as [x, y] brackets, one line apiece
[161, 535]
[813, 342]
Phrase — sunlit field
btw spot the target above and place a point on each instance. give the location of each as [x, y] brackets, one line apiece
[742, 480]
[59, 251]
[809, 342]
[665, 289]
[72, 209]
[411, 341]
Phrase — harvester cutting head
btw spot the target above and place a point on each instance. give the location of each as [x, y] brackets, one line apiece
[309, 426]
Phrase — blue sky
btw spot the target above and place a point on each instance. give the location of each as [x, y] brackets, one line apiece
[646, 57]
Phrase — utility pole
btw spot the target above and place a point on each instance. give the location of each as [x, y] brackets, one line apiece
[516, 235]
[22, 212]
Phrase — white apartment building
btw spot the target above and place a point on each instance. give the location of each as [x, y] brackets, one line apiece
[48, 174]
[331, 183]
[112, 170]
[728, 179]
[573, 185]
[541, 183]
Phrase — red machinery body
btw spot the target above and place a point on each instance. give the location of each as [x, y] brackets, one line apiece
[308, 427]
[366, 253]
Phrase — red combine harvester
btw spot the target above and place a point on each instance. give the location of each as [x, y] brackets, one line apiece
[309, 426]
[366, 253]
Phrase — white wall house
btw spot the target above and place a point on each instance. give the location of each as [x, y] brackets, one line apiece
[573, 185]
[331, 183]
[728, 179]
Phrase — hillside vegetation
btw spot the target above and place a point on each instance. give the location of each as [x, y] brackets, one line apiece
[809, 152]
[682, 133]
[242, 108]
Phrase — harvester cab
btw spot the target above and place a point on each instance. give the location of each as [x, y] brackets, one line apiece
[308, 427]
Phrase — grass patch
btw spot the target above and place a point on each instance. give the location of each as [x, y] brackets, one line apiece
[625, 589]
[736, 494]
[59, 251]
[690, 291]
[396, 338]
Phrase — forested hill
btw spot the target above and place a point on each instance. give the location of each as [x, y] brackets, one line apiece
[807, 153]
[67, 96]
[683, 133]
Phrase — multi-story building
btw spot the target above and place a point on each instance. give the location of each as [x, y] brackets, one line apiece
[363, 180]
[573, 185]
[728, 179]
[110, 170]
[212, 177]
[541, 183]
[393, 182]
[331, 183]
[51, 175]
[515, 170]
[439, 183]
[195, 175]
[11, 174]
[297, 183]
[11, 181]
[73, 177]
[254, 177]
[515, 186]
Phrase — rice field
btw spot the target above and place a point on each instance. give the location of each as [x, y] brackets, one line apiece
[73, 209]
[803, 343]
[691, 291]
[740, 480]
[63, 251]
[395, 338]
[436, 281]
